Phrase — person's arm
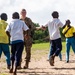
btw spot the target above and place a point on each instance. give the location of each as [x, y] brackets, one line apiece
[7, 30]
[8, 34]
[74, 34]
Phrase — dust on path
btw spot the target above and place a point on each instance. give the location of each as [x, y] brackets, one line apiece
[41, 66]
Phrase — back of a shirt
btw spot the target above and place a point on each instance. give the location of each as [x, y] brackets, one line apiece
[16, 28]
[3, 35]
[53, 28]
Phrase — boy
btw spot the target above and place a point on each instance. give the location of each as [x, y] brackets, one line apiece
[69, 33]
[4, 47]
[55, 38]
[15, 31]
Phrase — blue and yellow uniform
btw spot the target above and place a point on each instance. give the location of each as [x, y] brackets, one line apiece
[4, 47]
[70, 40]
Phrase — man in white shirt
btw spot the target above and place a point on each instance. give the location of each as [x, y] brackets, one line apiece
[55, 38]
[15, 31]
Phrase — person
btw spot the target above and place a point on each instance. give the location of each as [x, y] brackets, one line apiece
[55, 38]
[15, 31]
[4, 46]
[28, 42]
[69, 33]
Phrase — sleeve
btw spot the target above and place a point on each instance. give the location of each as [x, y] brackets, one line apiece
[61, 24]
[46, 25]
[32, 25]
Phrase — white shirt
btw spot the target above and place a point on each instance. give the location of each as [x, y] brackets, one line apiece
[53, 28]
[16, 28]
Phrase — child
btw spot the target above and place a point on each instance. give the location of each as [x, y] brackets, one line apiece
[55, 39]
[4, 47]
[69, 33]
[15, 31]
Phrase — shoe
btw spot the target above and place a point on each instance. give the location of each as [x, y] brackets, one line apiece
[8, 67]
[25, 67]
[67, 61]
[51, 60]
[14, 73]
[11, 71]
[47, 59]
[19, 67]
[60, 59]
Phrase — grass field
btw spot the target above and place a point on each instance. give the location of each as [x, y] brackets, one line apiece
[46, 46]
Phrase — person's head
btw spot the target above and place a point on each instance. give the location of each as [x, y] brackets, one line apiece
[68, 22]
[23, 13]
[55, 14]
[4, 16]
[15, 15]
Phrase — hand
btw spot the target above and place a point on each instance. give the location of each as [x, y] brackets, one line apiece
[26, 37]
[43, 27]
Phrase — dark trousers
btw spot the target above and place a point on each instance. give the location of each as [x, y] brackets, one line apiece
[55, 46]
[16, 52]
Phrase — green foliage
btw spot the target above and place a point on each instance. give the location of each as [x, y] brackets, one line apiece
[36, 24]
[40, 35]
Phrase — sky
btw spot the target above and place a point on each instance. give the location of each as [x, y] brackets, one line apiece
[40, 10]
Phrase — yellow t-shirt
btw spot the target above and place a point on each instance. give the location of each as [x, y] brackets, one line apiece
[3, 35]
[69, 32]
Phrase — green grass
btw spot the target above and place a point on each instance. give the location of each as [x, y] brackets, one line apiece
[46, 47]
[41, 46]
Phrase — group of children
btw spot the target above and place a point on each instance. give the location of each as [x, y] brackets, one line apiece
[15, 31]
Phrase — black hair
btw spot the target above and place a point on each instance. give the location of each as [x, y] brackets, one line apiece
[3, 16]
[68, 21]
[15, 15]
[55, 14]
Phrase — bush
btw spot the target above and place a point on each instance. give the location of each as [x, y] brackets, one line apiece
[39, 41]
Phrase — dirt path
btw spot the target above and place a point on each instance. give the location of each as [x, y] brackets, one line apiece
[41, 67]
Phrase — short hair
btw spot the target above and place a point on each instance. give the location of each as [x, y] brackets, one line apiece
[3, 16]
[23, 10]
[15, 15]
[55, 14]
[68, 21]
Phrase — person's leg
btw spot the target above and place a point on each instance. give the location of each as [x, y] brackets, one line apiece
[60, 56]
[28, 56]
[58, 46]
[52, 51]
[18, 55]
[6, 52]
[73, 44]
[67, 49]
[13, 50]
[49, 54]
[0, 50]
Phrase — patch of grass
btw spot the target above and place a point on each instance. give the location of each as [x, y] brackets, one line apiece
[44, 47]
[3, 74]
